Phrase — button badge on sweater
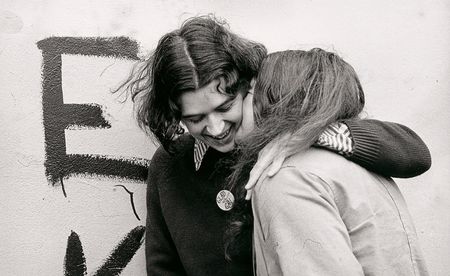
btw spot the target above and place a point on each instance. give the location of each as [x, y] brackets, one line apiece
[225, 200]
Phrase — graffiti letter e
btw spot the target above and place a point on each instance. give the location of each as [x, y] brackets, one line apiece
[58, 116]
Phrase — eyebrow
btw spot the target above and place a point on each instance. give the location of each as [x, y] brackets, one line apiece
[218, 107]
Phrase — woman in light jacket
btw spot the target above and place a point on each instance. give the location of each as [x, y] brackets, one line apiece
[320, 214]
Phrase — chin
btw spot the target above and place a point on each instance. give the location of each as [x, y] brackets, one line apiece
[225, 148]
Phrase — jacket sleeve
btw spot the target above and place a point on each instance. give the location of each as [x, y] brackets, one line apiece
[160, 252]
[301, 228]
[388, 149]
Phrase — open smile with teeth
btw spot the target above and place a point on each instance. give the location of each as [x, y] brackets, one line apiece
[222, 135]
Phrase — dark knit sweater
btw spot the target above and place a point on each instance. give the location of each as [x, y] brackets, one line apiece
[185, 227]
[388, 149]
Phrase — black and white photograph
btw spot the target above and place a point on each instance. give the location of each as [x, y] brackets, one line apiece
[201, 137]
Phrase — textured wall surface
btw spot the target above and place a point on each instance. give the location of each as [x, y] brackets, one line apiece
[72, 199]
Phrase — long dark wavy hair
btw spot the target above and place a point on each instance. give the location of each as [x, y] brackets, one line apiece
[200, 51]
[299, 93]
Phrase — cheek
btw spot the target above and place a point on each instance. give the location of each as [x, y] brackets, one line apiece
[234, 115]
[193, 129]
[247, 124]
[248, 119]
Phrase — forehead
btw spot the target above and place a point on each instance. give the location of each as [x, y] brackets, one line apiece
[204, 99]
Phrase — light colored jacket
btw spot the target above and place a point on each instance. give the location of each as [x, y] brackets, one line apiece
[324, 215]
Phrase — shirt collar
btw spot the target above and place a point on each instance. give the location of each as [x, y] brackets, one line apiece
[200, 149]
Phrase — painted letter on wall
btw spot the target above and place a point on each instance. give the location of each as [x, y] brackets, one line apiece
[58, 116]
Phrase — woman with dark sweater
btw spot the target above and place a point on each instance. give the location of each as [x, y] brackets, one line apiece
[199, 75]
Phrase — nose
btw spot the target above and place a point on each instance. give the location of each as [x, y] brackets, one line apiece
[215, 125]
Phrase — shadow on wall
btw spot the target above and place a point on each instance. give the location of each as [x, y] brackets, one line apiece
[58, 116]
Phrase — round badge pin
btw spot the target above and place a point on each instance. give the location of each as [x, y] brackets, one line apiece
[225, 200]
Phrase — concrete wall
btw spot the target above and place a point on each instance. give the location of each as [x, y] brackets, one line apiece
[72, 199]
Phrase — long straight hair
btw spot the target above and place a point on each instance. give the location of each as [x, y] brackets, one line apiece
[298, 93]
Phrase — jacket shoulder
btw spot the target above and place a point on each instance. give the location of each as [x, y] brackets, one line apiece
[328, 165]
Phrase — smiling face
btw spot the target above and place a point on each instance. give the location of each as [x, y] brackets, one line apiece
[212, 116]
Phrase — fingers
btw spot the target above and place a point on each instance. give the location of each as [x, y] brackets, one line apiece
[255, 173]
[258, 170]
[269, 156]
[248, 196]
[276, 165]
[265, 157]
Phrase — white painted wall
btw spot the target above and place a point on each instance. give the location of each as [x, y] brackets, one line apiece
[399, 48]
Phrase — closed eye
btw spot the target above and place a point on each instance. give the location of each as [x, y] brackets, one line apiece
[194, 119]
[224, 107]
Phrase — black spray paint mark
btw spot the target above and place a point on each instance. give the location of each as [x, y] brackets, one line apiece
[74, 262]
[62, 187]
[123, 253]
[58, 116]
[131, 199]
